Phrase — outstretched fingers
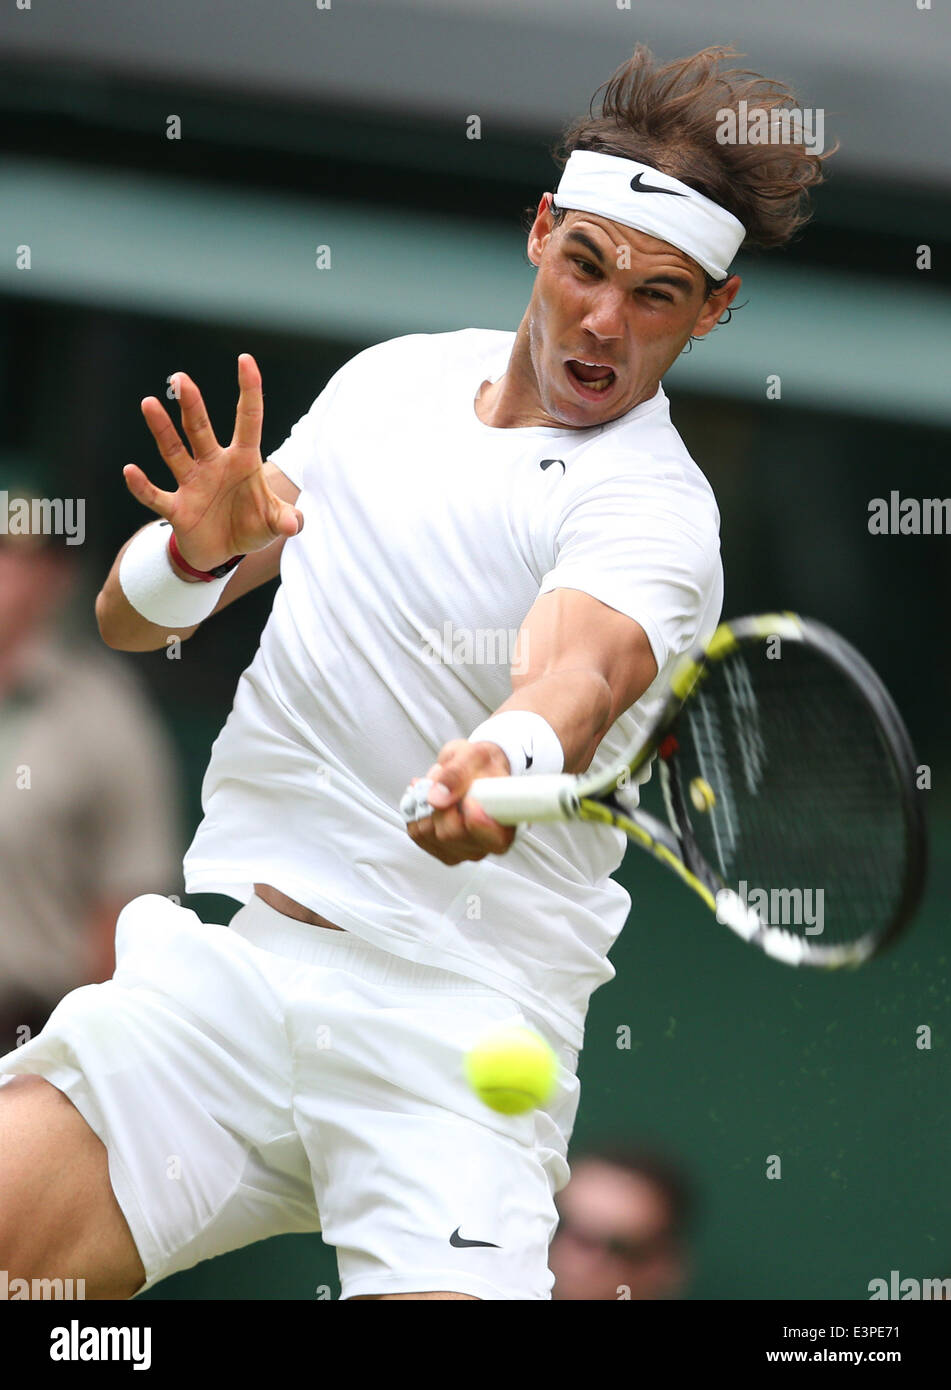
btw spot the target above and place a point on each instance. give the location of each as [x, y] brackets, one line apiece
[147, 493]
[195, 420]
[249, 416]
[179, 460]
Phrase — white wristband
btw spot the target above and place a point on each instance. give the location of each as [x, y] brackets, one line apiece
[153, 587]
[527, 740]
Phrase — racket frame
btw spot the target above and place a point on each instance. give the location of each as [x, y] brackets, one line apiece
[593, 797]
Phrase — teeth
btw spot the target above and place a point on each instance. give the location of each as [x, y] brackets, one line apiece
[602, 383]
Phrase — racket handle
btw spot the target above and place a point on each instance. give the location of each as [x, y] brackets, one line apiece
[509, 800]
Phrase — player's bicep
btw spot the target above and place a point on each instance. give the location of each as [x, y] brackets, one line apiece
[568, 630]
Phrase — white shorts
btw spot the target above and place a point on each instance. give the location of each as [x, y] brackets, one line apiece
[270, 1077]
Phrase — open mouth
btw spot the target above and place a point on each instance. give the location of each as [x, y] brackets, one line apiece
[590, 379]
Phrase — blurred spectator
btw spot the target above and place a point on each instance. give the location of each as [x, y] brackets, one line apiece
[87, 789]
[623, 1220]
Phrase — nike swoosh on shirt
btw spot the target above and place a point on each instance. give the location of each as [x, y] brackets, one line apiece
[547, 463]
[460, 1243]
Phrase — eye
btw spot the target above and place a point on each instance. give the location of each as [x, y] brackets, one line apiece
[658, 294]
[586, 266]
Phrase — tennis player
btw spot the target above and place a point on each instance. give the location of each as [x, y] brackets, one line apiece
[492, 548]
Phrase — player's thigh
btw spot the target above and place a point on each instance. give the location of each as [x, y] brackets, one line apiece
[59, 1217]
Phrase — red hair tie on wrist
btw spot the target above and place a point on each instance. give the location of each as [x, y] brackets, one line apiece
[206, 576]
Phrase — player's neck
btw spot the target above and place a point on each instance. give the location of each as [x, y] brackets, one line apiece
[495, 406]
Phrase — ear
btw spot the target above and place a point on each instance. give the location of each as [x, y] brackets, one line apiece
[715, 307]
[542, 229]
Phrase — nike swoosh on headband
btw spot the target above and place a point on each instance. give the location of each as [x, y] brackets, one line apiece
[698, 226]
[639, 187]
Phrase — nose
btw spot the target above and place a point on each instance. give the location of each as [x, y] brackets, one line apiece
[604, 317]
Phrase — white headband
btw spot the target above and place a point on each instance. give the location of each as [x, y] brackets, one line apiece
[638, 196]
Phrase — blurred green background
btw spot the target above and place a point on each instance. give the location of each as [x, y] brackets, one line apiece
[151, 255]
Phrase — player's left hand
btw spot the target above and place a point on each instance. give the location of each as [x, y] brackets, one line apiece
[441, 819]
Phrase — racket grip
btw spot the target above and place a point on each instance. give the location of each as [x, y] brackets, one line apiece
[509, 800]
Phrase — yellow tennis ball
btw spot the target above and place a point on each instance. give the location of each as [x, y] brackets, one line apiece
[702, 795]
[512, 1069]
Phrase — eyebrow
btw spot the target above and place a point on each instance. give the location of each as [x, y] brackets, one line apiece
[678, 282]
[586, 241]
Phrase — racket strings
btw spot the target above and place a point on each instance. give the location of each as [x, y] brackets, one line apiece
[806, 820]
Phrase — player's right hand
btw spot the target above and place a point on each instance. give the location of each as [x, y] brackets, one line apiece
[441, 819]
[223, 505]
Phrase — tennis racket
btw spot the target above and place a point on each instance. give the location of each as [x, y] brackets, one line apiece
[789, 784]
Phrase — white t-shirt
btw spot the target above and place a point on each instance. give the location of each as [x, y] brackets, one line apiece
[428, 536]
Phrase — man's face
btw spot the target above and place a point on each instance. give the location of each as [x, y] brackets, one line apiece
[613, 1235]
[32, 581]
[613, 296]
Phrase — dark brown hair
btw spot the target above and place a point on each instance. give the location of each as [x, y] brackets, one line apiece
[668, 117]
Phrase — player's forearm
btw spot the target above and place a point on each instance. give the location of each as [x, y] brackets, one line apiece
[578, 704]
[121, 626]
[124, 627]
